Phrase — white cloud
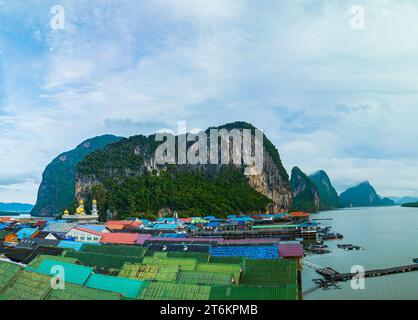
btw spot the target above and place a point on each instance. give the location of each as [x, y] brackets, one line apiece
[328, 96]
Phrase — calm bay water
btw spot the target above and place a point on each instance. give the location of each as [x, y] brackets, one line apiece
[389, 238]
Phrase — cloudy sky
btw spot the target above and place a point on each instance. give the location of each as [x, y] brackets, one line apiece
[329, 96]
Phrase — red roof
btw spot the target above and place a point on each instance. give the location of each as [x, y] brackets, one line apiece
[89, 231]
[119, 238]
[186, 220]
[123, 224]
[299, 214]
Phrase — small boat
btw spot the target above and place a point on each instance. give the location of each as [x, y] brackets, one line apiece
[415, 260]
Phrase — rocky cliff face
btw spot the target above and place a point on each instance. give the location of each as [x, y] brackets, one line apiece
[304, 192]
[56, 191]
[200, 188]
[328, 197]
[363, 195]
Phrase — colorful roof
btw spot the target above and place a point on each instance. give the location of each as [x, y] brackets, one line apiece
[119, 238]
[73, 273]
[59, 227]
[126, 287]
[290, 250]
[70, 245]
[94, 227]
[90, 231]
[26, 232]
[174, 291]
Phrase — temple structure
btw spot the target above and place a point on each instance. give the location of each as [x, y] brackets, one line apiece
[80, 216]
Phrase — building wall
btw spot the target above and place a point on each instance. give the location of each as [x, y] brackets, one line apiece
[83, 236]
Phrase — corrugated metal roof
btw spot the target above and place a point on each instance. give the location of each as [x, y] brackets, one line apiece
[70, 245]
[27, 286]
[73, 273]
[235, 269]
[102, 260]
[26, 232]
[252, 293]
[126, 287]
[174, 291]
[204, 278]
[94, 227]
[120, 238]
[59, 227]
[35, 263]
[76, 292]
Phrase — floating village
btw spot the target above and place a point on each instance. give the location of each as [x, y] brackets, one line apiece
[242, 257]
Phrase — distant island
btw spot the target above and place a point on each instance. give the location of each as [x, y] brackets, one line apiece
[410, 205]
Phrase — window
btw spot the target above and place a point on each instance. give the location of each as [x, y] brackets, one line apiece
[88, 238]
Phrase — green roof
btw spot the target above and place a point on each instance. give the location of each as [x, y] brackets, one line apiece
[184, 263]
[76, 292]
[102, 260]
[3, 234]
[7, 271]
[270, 273]
[35, 263]
[73, 273]
[174, 291]
[231, 260]
[126, 251]
[252, 293]
[143, 271]
[128, 288]
[27, 286]
[199, 256]
[193, 277]
[234, 269]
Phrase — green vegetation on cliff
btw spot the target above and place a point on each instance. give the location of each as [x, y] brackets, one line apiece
[304, 191]
[328, 197]
[57, 188]
[120, 178]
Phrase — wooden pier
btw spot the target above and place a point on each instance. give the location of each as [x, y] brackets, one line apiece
[334, 276]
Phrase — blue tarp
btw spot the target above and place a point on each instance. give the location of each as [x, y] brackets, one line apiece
[251, 252]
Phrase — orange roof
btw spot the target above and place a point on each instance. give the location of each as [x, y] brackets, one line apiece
[119, 238]
[299, 214]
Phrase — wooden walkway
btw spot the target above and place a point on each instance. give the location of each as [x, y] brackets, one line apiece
[332, 275]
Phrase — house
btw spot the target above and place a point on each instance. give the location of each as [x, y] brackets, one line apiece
[11, 238]
[27, 233]
[82, 234]
[48, 236]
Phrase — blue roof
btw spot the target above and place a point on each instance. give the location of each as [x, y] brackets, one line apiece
[146, 221]
[94, 227]
[73, 273]
[26, 233]
[210, 218]
[2, 226]
[165, 226]
[70, 245]
[251, 252]
[212, 224]
[166, 220]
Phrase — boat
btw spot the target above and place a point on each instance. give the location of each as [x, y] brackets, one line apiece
[415, 260]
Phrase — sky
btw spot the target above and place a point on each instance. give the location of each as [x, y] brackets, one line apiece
[329, 95]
